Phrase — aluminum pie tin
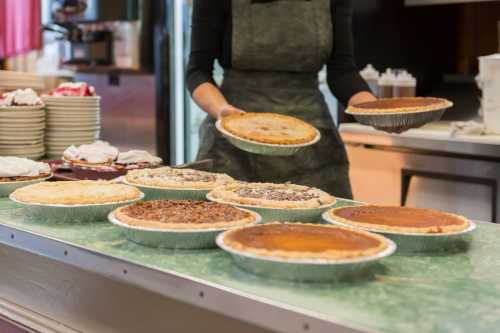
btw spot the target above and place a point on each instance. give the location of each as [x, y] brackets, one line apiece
[155, 193]
[305, 270]
[71, 213]
[172, 238]
[417, 242]
[6, 188]
[311, 215]
[264, 148]
[398, 122]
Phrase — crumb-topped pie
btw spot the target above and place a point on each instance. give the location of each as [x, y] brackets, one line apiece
[270, 195]
[76, 193]
[183, 214]
[172, 178]
[399, 219]
[16, 169]
[269, 128]
[400, 105]
[304, 241]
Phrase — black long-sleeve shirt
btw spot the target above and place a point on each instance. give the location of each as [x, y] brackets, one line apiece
[212, 38]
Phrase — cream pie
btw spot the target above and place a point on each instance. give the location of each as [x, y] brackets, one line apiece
[183, 214]
[20, 97]
[76, 193]
[270, 195]
[15, 169]
[304, 241]
[172, 178]
[99, 153]
[399, 219]
[137, 159]
[271, 128]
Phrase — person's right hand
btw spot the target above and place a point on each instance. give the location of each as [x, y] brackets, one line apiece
[228, 110]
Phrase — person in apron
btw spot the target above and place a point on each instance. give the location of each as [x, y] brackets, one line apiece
[271, 52]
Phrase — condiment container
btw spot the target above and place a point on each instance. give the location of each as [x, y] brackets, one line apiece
[405, 85]
[371, 76]
[386, 84]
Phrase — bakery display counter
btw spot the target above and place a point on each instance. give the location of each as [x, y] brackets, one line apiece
[46, 264]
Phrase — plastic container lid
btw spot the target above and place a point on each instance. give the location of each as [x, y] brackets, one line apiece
[405, 79]
[370, 73]
[387, 78]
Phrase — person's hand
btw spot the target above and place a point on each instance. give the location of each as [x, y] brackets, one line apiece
[228, 110]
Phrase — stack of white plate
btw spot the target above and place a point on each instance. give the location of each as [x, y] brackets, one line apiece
[10, 80]
[71, 121]
[22, 131]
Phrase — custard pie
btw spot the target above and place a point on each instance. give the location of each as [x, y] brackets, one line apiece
[270, 195]
[271, 128]
[183, 214]
[400, 105]
[399, 219]
[172, 178]
[83, 192]
[304, 241]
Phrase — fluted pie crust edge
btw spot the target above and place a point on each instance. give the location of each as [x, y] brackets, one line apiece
[439, 104]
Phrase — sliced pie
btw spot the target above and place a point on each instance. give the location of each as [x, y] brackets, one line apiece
[399, 219]
[400, 105]
[183, 214]
[270, 195]
[304, 241]
[172, 178]
[76, 193]
[270, 128]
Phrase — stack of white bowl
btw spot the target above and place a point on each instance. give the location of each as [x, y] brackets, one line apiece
[10, 80]
[71, 121]
[22, 131]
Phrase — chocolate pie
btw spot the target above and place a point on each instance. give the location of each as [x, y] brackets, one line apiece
[400, 105]
[269, 195]
[76, 193]
[172, 178]
[183, 214]
[304, 241]
[399, 219]
[269, 128]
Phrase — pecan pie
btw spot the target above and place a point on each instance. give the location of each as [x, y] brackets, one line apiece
[76, 193]
[304, 241]
[269, 128]
[172, 178]
[399, 219]
[271, 195]
[400, 105]
[183, 214]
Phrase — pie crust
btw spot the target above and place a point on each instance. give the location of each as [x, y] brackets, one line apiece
[401, 105]
[304, 241]
[4, 180]
[270, 195]
[172, 178]
[399, 219]
[183, 214]
[269, 128]
[76, 193]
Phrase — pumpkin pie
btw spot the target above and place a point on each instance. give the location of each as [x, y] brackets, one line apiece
[400, 105]
[399, 219]
[304, 241]
[83, 192]
[270, 195]
[172, 178]
[183, 214]
[270, 128]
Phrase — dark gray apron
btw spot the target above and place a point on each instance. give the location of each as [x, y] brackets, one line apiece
[278, 49]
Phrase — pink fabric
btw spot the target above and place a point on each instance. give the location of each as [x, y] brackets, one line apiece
[20, 22]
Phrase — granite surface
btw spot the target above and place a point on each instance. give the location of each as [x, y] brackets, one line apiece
[456, 291]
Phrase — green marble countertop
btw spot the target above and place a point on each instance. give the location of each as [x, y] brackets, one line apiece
[446, 292]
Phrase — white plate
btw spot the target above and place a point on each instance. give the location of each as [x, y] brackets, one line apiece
[73, 123]
[29, 121]
[21, 127]
[21, 108]
[24, 135]
[72, 135]
[22, 142]
[22, 114]
[73, 109]
[264, 148]
[72, 129]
